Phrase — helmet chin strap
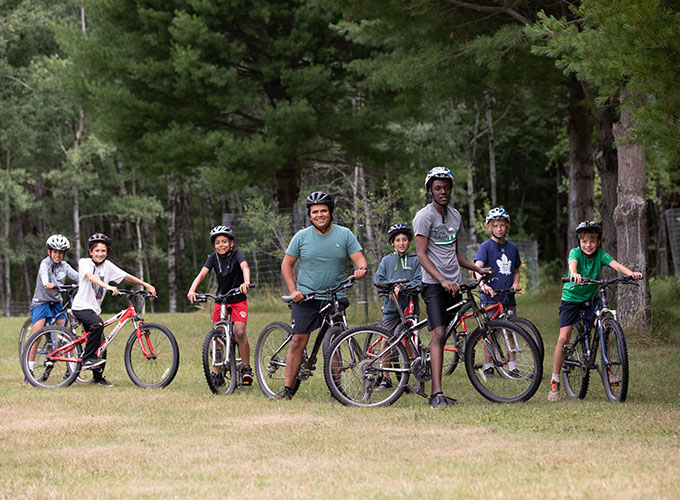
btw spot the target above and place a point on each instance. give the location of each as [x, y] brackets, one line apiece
[443, 209]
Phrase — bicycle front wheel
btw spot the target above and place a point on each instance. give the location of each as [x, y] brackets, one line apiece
[219, 362]
[54, 365]
[614, 370]
[152, 359]
[271, 350]
[517, 367]
[575, 373]
[533, 330]
[361, 369]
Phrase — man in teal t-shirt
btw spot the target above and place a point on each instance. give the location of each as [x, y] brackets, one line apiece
[585, 261]
[323, 250]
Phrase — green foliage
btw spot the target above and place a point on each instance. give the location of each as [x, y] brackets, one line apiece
[272, 228]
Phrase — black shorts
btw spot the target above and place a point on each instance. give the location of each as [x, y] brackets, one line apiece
[305, 317]
[437, 301]
[570, 312]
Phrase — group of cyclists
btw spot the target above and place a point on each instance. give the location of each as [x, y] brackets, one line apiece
[324, 250]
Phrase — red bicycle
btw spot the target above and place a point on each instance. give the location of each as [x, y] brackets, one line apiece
[151, 353]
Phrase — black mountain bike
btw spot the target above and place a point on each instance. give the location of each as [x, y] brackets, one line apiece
[221, 357]
[580, 356]
[274, 340]
[361, 357]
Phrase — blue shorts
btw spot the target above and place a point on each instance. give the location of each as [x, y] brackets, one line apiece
[46, 310]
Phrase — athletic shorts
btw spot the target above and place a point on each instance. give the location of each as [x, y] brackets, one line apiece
[305, 317]
[437, 300]
[570, 312]
[239, 312]
[46, 310]
[391, 323]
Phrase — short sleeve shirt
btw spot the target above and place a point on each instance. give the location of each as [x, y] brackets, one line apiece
[588, 267]
[228, 271]
[503, 259]
[323, 257]
[442, 240]
[90, 296]
[49, 272]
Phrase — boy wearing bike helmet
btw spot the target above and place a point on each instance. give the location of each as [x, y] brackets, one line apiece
[503, 258]
[396, 266]
[323, 250]
[232, 271]
[52, 273]
[95, 272]
[436, 227]
[586, 260]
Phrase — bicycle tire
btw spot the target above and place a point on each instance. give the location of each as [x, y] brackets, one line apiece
[271, 350]
[499, 338]
[214, 347]
[354, 377]
[156, 370]
[328, 338]
[614, 374]
[47, 374]
[533, 330]
[24, 334]
[575, 373]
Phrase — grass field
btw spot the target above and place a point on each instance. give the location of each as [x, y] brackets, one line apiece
[181, 442]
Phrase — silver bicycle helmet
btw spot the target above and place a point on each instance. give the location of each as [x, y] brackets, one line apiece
[320, 198]
[98, 238]
[58, 242]
[438, 173]
[221, 231]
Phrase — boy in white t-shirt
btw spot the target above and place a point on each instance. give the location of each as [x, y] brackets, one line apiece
[95, 274]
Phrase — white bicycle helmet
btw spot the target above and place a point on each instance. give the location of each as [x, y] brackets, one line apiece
[221, 230]
[438, 173]
[58, 242]
[498, 213]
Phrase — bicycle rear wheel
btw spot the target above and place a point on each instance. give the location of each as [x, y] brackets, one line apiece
[24, 334]
[503, 341]
[575, 373]
[362, 370]
[614, 373]
[219, 364]
[153, 359]
[271, 350]
[48, 373]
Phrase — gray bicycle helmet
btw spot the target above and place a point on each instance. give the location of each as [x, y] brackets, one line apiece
[320, 198]
[58, 242]
[98, 238]
[223, 231]
[438, 173]
[396, 229]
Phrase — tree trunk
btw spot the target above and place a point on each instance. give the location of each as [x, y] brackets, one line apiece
[492, 154]
[608, 168]
[660, 243]
[581, 174]
[630, 217]
[288, 185]
[172, 246]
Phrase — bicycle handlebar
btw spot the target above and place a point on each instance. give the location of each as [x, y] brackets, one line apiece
[129, 293]
[626, 280]
[346, 283]
[203, 297]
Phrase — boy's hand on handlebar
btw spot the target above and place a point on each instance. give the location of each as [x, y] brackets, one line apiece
[112, 289]
[191, 296]
[360, 273]
[576, 277]
[245, 287]
[297, 296]
[636, 275]
[451, 286]
[151, 289]
[517, 287]
[488, 290]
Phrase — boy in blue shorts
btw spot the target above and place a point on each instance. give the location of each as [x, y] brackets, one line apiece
[586, 260]
[503, 258]
[232, 271]
[52, 273]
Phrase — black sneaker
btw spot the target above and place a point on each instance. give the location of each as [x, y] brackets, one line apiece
[384, 383]
[514, 373]
[91, 363]
[247, 375]
[438, 400]
[489, 372]
[286, 393]
[217, 379]
[103, 382]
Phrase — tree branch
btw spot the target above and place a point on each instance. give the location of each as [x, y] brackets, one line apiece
[491, 8]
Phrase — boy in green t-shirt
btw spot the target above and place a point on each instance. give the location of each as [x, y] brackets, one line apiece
[586, 261]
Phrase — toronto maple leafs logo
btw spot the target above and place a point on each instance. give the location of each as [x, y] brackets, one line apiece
[504, 265]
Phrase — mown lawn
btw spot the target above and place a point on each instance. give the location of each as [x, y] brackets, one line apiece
[182, 442]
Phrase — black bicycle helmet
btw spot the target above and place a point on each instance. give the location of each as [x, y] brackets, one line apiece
[58, 242]
[589, 227]
[320, 198]
[98, 238]
[396, 229]
[221, 230]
